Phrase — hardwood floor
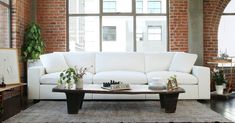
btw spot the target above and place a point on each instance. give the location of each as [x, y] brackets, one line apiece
[225, 107]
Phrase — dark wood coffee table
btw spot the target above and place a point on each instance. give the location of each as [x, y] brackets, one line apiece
[168, 98]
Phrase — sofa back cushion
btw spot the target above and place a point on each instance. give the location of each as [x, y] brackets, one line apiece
[53, 62]
[120, 61]
[81, 59]
[183, 62]
[158, 61]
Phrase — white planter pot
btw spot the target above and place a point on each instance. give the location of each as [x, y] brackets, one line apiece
[219, 89]
[31, 63]
[79, 84]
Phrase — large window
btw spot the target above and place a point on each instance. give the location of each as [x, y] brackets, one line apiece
[115, 26]
[5, 24]
[226, 37]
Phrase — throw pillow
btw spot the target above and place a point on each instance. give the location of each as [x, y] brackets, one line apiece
[53, 62]
[183, 62]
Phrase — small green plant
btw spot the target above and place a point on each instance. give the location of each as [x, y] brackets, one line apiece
[71, 74]
[218, 77]
[33, 45]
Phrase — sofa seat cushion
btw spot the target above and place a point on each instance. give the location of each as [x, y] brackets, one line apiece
[130, 77]
[52, 78]
[182, 78]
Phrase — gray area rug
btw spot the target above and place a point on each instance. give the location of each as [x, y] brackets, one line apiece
[119, 111]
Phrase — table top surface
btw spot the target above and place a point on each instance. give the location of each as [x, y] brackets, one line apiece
[218, 61]
[11, 86]
[134, 89]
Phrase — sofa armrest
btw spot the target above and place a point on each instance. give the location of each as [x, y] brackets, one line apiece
[203, 75]
[34, 74]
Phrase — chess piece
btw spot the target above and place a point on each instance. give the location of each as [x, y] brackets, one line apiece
[2, 82]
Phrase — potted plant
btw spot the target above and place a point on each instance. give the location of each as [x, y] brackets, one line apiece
[219, 78]
[33, 45]
[72, 76]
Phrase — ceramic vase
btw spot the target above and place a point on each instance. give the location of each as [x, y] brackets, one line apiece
[79, 84]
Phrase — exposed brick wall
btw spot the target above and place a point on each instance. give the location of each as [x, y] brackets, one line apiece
[213, 10]
[20, 20]
[4, 27]
[178, 25]
[51, 16]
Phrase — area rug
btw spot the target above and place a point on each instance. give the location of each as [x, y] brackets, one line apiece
[116, 111]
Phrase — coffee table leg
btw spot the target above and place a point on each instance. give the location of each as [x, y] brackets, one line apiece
[169, 102]
[81, 98]
[74, 102]
[162, 100]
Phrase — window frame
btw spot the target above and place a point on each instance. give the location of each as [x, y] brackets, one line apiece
[133, 14]
[9, 6]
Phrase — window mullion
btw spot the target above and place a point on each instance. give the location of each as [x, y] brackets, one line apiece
[168, 27]
[134, 24]
[101, 21]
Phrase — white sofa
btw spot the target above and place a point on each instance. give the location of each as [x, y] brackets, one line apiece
[133, 68]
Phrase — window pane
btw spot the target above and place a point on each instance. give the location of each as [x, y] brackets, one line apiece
[117, 6]
[84, 33]
[151, 6]
[109, 6]
[154, 34]
[154, 6]
[226, 35]
[231, 7]
[83, 6]
[139, 6]
[119, 34]
[4, 27]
